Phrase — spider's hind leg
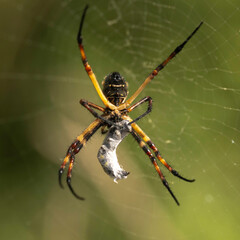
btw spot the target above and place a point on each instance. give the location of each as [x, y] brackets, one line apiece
[162, 160]
[144, 147]
[75, 147]
[69, 176]
[72, 151]
[157, 153]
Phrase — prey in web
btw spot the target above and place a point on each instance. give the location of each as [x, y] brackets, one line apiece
[107, 153]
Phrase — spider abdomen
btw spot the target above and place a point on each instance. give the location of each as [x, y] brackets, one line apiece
[115, 88]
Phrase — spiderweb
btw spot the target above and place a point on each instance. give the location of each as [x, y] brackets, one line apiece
[194, 123]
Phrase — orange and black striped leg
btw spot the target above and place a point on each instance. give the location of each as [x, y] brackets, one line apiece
[149, 109]
[159, 68]
[144, 147]
[157, 153]
[75, 147]
[69, 177]
[161, 159]
[175, 52]
[72, 151]
[63, 166]
[88, 67]
[89, 107]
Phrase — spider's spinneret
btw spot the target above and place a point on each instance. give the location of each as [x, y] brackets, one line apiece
[115, 88]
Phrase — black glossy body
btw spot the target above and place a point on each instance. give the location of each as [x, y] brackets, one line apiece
[115, 88]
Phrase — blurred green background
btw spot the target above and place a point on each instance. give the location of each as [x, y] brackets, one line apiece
[195, 119]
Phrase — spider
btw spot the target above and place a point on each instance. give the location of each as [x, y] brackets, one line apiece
[113, 96]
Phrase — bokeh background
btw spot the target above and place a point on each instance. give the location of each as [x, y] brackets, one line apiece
[195, 119]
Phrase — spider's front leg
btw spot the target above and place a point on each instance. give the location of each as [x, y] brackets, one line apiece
[75, 147]
[155, 72]
[87, 65]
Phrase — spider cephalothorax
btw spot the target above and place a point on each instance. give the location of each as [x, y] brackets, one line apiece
[115, 88]
[115, 117]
